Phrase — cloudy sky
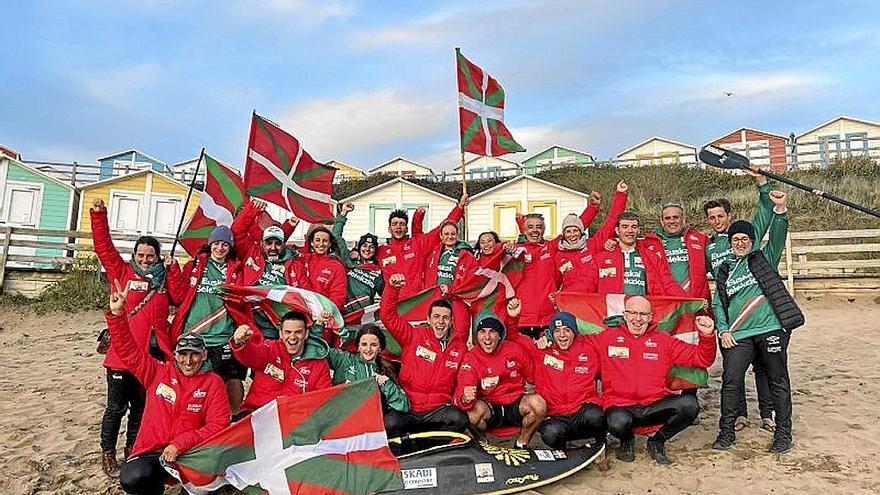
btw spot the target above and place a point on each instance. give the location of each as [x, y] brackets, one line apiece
[362, 82]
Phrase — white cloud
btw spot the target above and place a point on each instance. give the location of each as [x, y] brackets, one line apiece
[285, 12]
[119, 87]
[363, 121]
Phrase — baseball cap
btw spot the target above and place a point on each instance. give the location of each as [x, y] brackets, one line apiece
[190, 342]
[273, 232]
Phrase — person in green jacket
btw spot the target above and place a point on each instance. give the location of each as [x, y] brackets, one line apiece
[366, 363]
[750, 306]
[364, 277]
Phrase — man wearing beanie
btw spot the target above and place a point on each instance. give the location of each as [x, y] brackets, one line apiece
[635, 360]
[266, 261]
[575, 249]
[542, 274]
[719, 216]
[364, 277]
[756, 315]
[202, 311]
[565, 377]
[492, 381]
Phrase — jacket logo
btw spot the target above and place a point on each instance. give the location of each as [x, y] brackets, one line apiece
[489, 382]
[652, 356]
[199, 394]
[583, 358]
[138, 286]
[167, 393]
[553, 362]
[608, 272]
[650, 343]
[451, 364]
[194, 408]
[274, 372]
[618, 352]
[426, 354]
[389, 260]
[582, 370]
[511, 364]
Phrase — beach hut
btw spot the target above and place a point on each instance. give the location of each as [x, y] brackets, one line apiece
[373, 206]
[143, 203]
[486, 167]
[556, 156]
[402, 167]
[838, 138]
[657, 151]
[763, 148]
[34, 199]
[496, 207]
[126, 162]
[345, 171]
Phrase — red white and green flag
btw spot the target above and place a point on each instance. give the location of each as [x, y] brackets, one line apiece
[222, 198]
[487, 290]
[481, 111]
[280, 171]
[277, 300]
[673, 315]
[330, 441]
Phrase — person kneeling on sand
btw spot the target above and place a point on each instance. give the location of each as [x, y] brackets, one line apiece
[492, 381]
[184, 405]
[635, 359]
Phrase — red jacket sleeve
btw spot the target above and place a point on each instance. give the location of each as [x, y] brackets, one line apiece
[428, 241]
[338, 285]
[400, 329]
[288, 229]
[241, 230]
[701, 355]
[660, 279]
[589, 214]
[216, 418]
[618, 206]
[322, 379]
[467, 377]
[589, 279]
[418, 223]
[139, 363]
[251, 354]
[107, 253]
[175, 284]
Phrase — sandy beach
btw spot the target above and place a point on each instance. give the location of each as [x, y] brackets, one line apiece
[53, 387]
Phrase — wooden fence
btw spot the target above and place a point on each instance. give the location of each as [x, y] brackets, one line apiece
[844, 262]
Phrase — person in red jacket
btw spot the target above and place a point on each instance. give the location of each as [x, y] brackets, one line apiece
[565, 377]
[429, 358]
[635, 359]
[408, 255]
[492, 381]
[685, 251]
[292, 365]
[146, 307]
[633, 266]
[202, 311]
[326, 274]
[184, 405]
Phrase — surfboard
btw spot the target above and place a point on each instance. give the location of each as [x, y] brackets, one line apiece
[465, 466]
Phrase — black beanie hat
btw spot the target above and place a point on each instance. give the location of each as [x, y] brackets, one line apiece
[741, 227]
[491, 323]
[368, 239]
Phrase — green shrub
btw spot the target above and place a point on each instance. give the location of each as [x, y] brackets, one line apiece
[82, 288]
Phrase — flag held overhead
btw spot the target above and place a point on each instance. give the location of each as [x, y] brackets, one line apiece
[223, 196]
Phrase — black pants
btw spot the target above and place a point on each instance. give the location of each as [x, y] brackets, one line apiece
[771, 351]
[447, 417]
[143, 475]
[675, 412]
[762, 387]
[124, 393]
[587, 422]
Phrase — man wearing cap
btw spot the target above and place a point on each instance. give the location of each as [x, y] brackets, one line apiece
[364, 277]
[719, 216]
[184, 405]
[430, 356]
[756, 315]
[575, 248]
[632, 267]
[265, 262]
[565, 377]
[291, 365]
[202, 311]
[492, 381]
[635, 360]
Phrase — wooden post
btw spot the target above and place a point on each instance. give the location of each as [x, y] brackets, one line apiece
[788, 264]
[463, 193]
[5, 255]
[75, 198]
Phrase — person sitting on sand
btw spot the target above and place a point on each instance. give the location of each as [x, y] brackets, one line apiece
[492, 380]
[635, 359]
[184, 405]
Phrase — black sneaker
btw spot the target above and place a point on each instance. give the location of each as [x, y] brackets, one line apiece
[627, 452]
[781, 444]
[724, 441]
[657, 451]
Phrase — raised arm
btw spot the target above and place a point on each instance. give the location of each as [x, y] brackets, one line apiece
[139, 363]
[778, 229]
[764, 211]
[107, 253]
[338, 227]
[242, 225]
[246, 351]
[701, 355]
[399, 328]
[618, 206]
[592, 209]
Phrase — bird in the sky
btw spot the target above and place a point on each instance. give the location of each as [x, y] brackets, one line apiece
[728, 94]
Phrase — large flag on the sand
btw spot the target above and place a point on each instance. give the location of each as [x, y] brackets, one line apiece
[481, 111]
[280, 171]
[674, 315]
[223, 196]
[330, 441]
[277, 300]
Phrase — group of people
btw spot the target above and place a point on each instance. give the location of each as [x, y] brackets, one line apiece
[528, 369]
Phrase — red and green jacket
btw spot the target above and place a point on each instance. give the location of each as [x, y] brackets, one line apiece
[693, 280]
[188, 284]
[180, 410]
[606, 272]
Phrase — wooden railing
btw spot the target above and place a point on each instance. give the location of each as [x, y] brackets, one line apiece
[851, 258]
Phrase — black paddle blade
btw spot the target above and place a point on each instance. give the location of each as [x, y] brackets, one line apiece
[721, 158]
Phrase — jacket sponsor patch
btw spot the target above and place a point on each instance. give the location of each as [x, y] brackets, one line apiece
[489, 382]
[565, 266]
[425, 353]
[611, 271]
[138, 285]
[554, 362]
[389, 260]
[618, 352]
[274, 372]
[652, 356]
[194, 407]
[581, 370]
[167, 393]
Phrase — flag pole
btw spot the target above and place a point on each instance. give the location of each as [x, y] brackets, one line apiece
[192, 185]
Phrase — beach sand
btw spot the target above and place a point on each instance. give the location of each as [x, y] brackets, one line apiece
[53, 390]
